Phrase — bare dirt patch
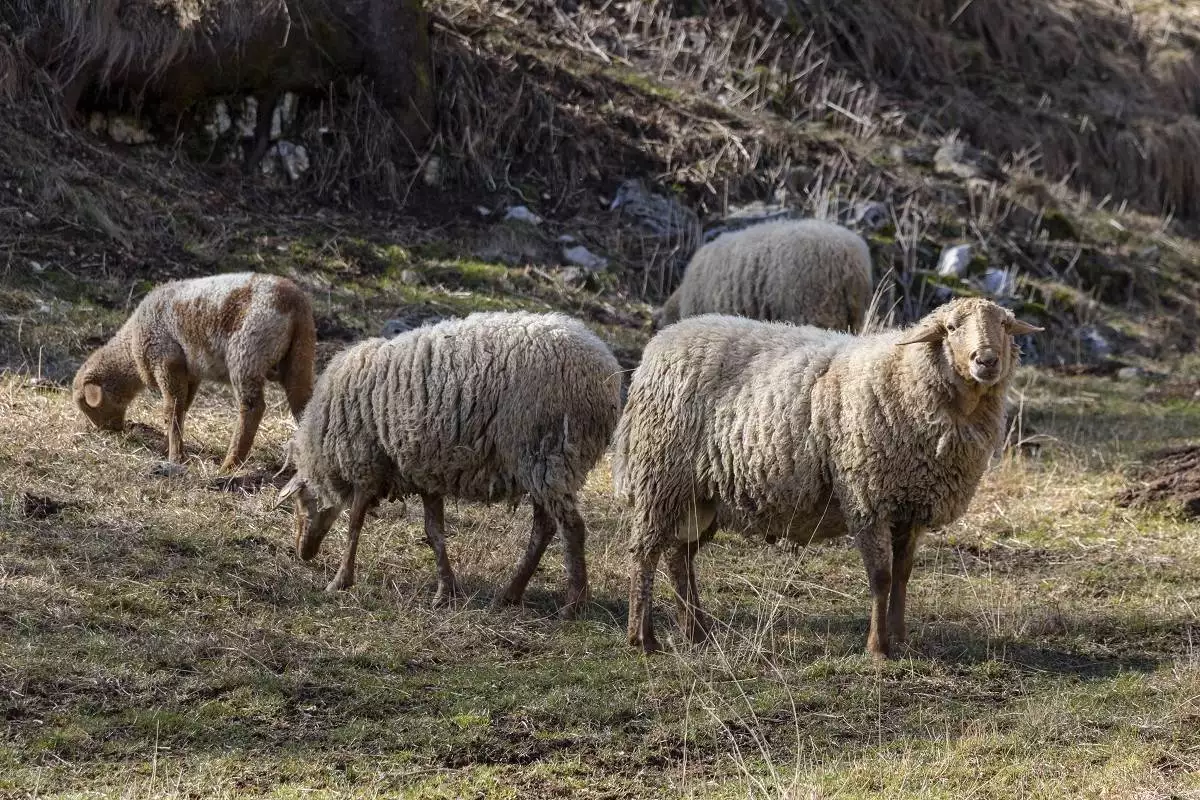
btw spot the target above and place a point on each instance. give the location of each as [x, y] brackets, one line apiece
[1170, 477]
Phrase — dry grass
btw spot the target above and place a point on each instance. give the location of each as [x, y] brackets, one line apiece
[161, 638]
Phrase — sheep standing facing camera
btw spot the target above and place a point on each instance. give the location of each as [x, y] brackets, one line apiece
[808, 434]
[809, 272]
[496, 406]
[240, 328]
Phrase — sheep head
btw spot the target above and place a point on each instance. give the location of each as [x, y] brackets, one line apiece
[976, 338]
[102, 393]
[312, 518]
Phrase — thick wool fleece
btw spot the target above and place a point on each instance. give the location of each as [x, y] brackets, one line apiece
[805, 433]
[809, 272]
[240, 328]
[494, 406]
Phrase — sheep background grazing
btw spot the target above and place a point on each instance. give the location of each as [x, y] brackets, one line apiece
[492, 407]
[240, 328]
[808, 434]
[809, 272]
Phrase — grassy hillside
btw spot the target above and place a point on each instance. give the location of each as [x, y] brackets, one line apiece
[159, 638]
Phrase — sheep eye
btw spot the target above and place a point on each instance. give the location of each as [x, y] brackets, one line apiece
[951, 327]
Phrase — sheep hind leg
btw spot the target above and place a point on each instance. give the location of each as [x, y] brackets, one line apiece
[643, 565]
[251, 406]
[435, 526]
[693, 621]
[544, 528]
[574, 536]
[359, 506]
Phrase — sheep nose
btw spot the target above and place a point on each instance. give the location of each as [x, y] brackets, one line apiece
[986, 358]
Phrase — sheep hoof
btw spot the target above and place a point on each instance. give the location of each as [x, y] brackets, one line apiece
[573, 607]
[647, 643]
[339, 583]
[697, 629]
[446, 595]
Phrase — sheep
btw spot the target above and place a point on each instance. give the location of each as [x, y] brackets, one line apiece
[494, 406]
[809, 272]
[238, 328]
[808, 434]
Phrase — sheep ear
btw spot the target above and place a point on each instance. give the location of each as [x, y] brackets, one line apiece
[93, 395]
[1019, 328]
[292, 486]
[929, 332]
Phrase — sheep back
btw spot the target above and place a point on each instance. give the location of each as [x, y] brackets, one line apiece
[493, 406]
[803, 271]
[227, 327]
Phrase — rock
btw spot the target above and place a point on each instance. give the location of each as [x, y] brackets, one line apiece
[432, 172]
[580, 256]
[872, 215]
[284, 114]
[665, 217]
[567, 238]
[958, 158]
[920, 155]
[168, 469]
[954, 261]
[523, 214]
[410, 277]
[574, 276]
[483, 211]
[1130, 373]
[1096, 345]
[219, 121]
[998, 282]
[125, 130]
[294, 158]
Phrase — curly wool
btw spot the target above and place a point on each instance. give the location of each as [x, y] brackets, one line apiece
[494, 406]
[797, 431]
[809, 272]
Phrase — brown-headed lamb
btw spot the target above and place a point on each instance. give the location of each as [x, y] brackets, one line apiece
[808, 271]
[806, 434]
[239, 328]
[495, 406]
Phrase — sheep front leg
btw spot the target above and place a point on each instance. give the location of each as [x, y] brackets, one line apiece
[875, 545]
[543, 531]
[172, 380]
[448, 587]
[904, 547]
[358, 513]
[251, 405]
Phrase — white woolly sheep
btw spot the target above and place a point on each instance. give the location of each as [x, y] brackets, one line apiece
[239, 328]
[492, 407]
[807, 434]
[809, 272]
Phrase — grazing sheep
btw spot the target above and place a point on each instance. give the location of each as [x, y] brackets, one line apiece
[492, 407]
[807, 271]
[808, 434]
[240, 328]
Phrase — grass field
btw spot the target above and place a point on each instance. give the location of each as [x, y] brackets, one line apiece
[159, 638]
